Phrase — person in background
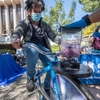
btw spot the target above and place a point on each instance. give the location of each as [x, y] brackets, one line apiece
[34, 32]
[95, 40]
[95, 34]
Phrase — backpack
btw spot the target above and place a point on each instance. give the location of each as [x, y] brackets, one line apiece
[96, 43]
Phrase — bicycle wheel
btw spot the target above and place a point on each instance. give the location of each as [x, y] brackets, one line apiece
[70, 89]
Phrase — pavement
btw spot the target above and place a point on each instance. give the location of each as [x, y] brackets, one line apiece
[95, 90]
[17, 90]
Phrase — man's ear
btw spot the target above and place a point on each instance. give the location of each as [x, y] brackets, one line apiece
[29, 11]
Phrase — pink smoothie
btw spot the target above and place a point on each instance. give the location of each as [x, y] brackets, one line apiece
[70, 50]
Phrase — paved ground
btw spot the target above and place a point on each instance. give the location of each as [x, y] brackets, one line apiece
[95, 90]
[17, 91]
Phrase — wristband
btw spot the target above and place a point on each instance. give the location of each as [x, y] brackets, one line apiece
[87, 20]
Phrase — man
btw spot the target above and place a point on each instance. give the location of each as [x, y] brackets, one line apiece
[35, 32]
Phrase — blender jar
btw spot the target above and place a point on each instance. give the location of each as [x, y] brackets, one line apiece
[71, 42]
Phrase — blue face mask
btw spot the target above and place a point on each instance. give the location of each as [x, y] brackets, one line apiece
[36, 17]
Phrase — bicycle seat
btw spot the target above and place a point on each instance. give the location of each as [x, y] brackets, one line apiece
[82, 72]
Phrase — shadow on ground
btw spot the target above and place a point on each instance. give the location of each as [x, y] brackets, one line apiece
[17, 90]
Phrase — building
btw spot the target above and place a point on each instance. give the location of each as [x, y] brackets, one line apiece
[11, 12]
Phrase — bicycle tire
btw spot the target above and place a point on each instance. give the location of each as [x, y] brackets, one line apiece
[70, 89]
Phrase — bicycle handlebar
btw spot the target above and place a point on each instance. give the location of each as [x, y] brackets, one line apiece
[40, 51]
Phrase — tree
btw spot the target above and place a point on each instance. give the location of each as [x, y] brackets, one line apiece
[90, 5]
[90, 29]
[56, 16]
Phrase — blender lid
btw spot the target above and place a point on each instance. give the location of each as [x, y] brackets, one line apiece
[70, 29]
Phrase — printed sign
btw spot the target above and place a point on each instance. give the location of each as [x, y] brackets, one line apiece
[93, 61]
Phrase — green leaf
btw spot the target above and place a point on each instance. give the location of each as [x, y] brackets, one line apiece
[56, 15]
[90, 5]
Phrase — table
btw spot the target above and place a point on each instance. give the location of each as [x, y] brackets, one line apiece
[83, 72]
[9, 70]
[92, 60]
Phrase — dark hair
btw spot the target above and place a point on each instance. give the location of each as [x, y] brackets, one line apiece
[97, 29]
[28, 4]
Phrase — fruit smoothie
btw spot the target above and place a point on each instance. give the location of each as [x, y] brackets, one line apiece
[70, 50]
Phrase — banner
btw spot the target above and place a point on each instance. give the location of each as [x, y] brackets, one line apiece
[9, 70]
[93, 61]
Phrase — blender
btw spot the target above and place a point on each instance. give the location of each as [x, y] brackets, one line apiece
[70, 47]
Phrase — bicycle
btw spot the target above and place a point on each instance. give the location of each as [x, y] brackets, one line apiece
[59, 78]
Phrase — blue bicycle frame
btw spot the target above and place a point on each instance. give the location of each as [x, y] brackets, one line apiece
[63, 86]
[53, 76]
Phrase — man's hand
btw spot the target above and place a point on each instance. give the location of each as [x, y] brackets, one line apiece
[85, 21]
[16, 43]
[78, 24]
[57, 40]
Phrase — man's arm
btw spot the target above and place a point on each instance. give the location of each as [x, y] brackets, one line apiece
[55, 38]
[95, 16]
[19, 30]
[17, 34]
[85, 21]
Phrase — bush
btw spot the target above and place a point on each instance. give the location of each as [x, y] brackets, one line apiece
[55, 48]
[2, 51]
